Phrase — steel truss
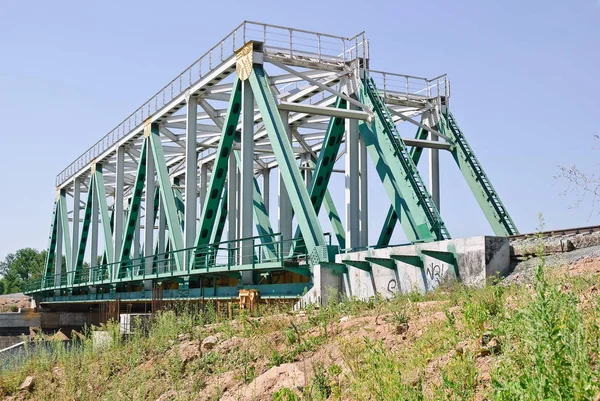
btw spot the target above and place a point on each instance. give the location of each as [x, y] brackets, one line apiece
[166, 184]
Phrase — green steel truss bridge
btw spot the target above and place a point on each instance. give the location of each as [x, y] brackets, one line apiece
[177, 195]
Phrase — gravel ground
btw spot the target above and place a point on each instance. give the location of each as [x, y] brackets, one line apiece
[524, 271]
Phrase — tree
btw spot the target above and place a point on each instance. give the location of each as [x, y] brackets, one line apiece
[19, 267]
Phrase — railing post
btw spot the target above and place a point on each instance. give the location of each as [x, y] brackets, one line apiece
[319, 46]
[291, 44]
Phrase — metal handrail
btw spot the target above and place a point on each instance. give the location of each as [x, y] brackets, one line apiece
[213, 58]
[217, 256]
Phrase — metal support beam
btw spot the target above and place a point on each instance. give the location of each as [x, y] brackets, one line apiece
[94, 227]
[284, 211]
[364, 194]
[166, 194]
[324, 111]
[76, 208]
[419, 217]
[220, 167]
[149, 219]
[51, 254]
[261, 216]
[385, 262]
[266, 192]
[191, 172]
[100, 192]
[247, 179]
[232, 214]
[132, 220]
[58, 267]
[203, 184]
[119, 199]
[352, 185]
[282, 147]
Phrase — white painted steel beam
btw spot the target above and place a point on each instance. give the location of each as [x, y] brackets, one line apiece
[191, 174]
[352, 184]
[247, 179]
[285, 205]
[324, 111]
[118, 205]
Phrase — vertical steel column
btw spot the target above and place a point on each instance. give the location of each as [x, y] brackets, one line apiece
[352, 182]
[266, 188]
[364, 196]
[191, 173]
[149, 216]
[285, 205]
[238, 228]
[119, 188]
[94, 225]
[232, 205]
[59, 251]
[434, 162]
[247, 179]
[76, 208]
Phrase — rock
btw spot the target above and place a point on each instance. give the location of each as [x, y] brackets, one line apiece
[208, 343]
[344, 319]
[402, 328]
[27, 384]
[183, 337]
[188, 351]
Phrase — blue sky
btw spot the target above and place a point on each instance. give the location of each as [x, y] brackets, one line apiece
[525, 80]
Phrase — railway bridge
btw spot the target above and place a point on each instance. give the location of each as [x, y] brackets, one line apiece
[176, 199]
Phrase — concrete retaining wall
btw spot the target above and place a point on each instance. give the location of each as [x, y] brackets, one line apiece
[68, 320]
[479, 259]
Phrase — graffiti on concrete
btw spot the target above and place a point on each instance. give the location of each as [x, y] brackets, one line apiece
[391, 286]
[436, 271]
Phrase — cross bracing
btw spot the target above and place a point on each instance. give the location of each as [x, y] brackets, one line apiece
[195, 162]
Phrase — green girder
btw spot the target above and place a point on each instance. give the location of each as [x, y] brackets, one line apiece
[167, 196]
[478, 181]
[216, 187]
[64, 222]
[133, 212]
[221, 219]
[392, 218]
[334, 218]
[85, 229]
[322, 173]
[420, 218]
[51, 254]
[179, 203]
[282, 148]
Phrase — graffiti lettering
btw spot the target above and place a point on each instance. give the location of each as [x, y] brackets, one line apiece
[435, 271]
[391, 286]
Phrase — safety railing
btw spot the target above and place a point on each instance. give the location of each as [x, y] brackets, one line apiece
[410, 87]
[263, 252]
[277, 39]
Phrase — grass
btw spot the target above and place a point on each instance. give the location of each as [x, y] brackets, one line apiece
[546, 347]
